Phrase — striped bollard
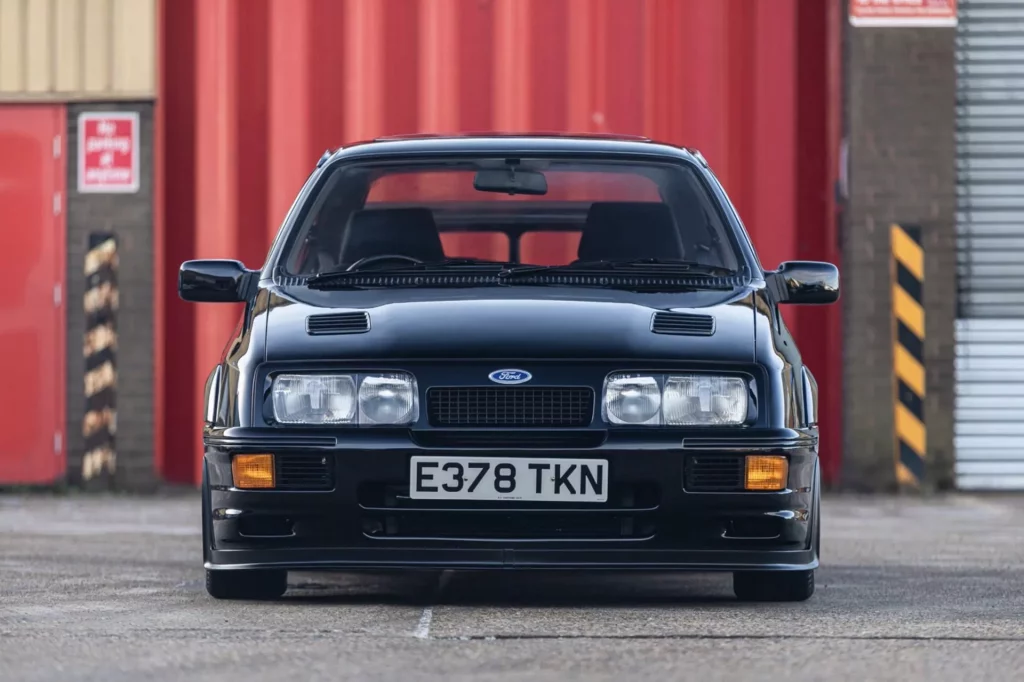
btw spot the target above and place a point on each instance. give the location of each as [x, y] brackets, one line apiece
[908, 332]
[99, 426]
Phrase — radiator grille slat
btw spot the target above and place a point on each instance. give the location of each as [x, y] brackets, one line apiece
[510, 438]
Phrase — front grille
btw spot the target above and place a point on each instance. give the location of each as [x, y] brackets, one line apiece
[510, 406]
[303, 472]
[524, 527]
[390, 497]
[714, 473]
[389, 513]
[512, 440]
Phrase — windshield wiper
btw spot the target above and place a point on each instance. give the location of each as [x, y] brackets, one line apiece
[337, 275]
[639, 265]
[464, 261]
[511, 273]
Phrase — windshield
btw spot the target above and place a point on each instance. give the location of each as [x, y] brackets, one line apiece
[505, 212]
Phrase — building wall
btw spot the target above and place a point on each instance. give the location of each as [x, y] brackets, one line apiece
[900, 106]
[130, 218]
[103, 52]
[68, 50]
[275, 82]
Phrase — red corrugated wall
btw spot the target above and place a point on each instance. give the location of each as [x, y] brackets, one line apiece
[253, 91]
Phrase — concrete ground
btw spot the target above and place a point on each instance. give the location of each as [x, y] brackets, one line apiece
[111, 589]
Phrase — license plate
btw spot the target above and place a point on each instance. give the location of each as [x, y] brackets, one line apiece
[513, 478]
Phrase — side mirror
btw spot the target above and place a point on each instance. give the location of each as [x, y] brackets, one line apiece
[806, 282]
[214, 281]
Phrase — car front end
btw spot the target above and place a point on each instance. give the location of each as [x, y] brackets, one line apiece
[659, 458]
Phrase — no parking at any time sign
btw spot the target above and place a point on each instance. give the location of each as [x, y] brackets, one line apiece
[108, 152]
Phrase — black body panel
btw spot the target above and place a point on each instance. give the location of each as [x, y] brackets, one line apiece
[653, 519]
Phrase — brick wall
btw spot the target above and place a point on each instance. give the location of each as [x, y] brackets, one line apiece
[900, 127]
[130, 217]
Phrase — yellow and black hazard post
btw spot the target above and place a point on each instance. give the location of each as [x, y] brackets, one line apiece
[908, 354]
[99, 426]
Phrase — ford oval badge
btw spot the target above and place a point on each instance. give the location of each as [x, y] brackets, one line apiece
[509, 376]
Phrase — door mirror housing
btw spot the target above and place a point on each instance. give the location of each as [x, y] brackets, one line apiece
[805, 282]
[214, 281]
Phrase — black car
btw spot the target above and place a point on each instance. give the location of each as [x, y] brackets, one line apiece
[511, 352]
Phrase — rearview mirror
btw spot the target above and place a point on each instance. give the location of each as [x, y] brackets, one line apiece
[805, 282]
[511, 181]
[214, 281]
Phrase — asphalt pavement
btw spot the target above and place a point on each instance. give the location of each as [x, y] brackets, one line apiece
[111, 588]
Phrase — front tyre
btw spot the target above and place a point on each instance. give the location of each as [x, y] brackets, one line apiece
[773, 585]
[246, 584]
[236, 584]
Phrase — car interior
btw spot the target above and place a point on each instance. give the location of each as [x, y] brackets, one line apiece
[547, 231]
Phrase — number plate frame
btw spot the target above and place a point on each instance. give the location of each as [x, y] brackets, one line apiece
[573, 474]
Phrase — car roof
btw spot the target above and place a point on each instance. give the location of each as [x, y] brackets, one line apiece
[512, 142]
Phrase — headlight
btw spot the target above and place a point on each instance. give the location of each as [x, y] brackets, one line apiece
[632, 400]
[315, 398]
[675, 400]
[704, 400]
[387, 399]
[345, 399]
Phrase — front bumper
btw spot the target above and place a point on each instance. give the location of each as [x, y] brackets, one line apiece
[651, 521]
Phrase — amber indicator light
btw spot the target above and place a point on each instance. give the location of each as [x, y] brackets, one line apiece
[766, 472]
[253, 471]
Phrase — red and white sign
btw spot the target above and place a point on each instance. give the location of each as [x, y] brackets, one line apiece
[903, 12]
[108, 151]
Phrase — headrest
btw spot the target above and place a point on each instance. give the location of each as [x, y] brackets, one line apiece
[402, 231]
[628, 230]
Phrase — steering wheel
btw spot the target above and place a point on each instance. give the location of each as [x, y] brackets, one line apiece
[382, 257]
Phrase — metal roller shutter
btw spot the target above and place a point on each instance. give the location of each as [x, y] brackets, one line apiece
[989, 416]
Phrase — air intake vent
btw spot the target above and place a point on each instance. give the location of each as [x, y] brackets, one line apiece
[714, 473]
[337, 323]
[304, 472]
[683, 324]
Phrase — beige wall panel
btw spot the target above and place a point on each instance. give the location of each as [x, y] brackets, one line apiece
[134, 56]
[67, 45]
[77, 49]
[38, 47]
[12, 40]
[96, 48]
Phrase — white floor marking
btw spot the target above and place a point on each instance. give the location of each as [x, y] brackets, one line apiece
[423, 628]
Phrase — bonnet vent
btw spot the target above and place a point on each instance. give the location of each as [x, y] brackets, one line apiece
[683, 324]
[337, 323]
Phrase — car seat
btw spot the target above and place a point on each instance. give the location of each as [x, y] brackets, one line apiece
[399, 231]
[630, 230]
